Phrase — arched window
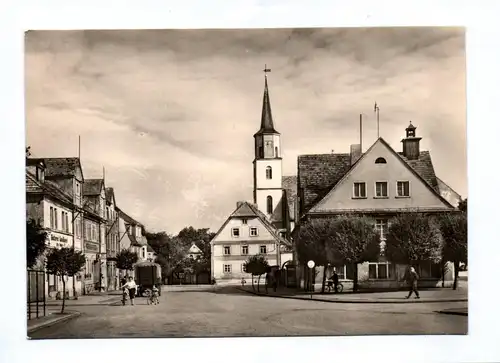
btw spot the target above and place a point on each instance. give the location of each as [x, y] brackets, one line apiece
[269, 172]
[269, 204]
[380, 161]
[276, 152]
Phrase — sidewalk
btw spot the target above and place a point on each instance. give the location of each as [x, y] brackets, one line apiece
[93, 299]
[392, 297]
[53, 317]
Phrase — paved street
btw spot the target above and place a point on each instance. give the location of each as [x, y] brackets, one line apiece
[235, 313]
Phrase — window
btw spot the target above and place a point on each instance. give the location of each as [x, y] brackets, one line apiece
[77, 189]
[235, 232]
[403, 188]
[253, 231]
[381, 225]
[380, 270]
[359, 190]
[269, 172]
[381, 189]
[51, 218]
[67, 223]
[269, 204]
[380, 161]
[263, 250]
[427, 269]
[345, 272]
[227, 269]
[55, 218]
[276, 152]
[244, 250]
[227, 250]
[243, 269]
[244, 221]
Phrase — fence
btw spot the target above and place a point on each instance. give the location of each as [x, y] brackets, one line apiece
[36, 293]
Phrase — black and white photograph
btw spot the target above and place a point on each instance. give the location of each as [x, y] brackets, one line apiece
[270, 182]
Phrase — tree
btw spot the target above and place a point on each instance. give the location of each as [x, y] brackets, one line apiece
[354, 240]
[413, 237]
[126, 259]
[65, 262]
[36, 237]
[256, 265]
[311, 240]
[453, 228]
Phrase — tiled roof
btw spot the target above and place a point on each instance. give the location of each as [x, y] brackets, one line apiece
[92, 186]
[290, 185]
[61, 166]
[110, 194]
[318, 174]
[127, 218]
[423, 166]
[47, 187]
[249, 209]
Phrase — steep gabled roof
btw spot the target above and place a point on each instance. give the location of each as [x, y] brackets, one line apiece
[318, 174]
[92, 187]
[56, 167]
[47, 187]
[290, 186]
[421, 168]
[128, 219]
[246, 209]
[110, 195]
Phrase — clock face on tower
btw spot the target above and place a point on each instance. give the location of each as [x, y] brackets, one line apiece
[269, 144]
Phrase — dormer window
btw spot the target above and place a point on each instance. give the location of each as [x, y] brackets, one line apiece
[380, 161]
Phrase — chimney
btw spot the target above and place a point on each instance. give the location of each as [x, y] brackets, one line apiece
[411, 144]
[355, 153]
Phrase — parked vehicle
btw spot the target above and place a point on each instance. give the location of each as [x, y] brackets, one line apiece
[147, 274]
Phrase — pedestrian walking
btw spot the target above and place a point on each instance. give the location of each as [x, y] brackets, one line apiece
[132, 288]
[412, 279]
[335, 279]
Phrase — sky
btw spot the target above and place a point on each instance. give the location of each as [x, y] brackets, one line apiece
[170, 114]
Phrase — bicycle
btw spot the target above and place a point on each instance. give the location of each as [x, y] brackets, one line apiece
[331, 287]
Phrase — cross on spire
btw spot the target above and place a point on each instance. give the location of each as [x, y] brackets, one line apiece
[266, 70]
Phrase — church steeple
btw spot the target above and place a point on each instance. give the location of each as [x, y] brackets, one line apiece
[267, 165]
[266, 120]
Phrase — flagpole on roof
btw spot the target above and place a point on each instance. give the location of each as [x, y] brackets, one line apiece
[376, 109]
[79, 146]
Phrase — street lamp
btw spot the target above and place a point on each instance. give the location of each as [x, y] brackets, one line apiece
[311, 265]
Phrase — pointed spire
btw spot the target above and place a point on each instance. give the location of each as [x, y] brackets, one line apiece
[266, 122]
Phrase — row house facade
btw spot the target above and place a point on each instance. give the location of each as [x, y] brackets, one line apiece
[95, 235]
[53, 209]
[132, 239]
[83, 214]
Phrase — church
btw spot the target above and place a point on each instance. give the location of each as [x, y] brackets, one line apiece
[265, 225]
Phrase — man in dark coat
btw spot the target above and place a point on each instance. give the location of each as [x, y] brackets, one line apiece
[412, 279]
[335, 279]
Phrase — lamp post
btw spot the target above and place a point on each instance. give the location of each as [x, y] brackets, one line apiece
[311, 265]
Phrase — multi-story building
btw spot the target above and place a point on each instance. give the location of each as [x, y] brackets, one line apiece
[94, 194]
[112, 239]
[53, 209]
[246, 232]
[131, 238]
[67, 175]
[379, 183]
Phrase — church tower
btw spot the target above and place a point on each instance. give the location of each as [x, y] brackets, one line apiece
[267, 164]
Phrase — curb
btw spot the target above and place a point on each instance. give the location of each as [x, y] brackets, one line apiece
[459, 313]
[338, 301]
[49, 323]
